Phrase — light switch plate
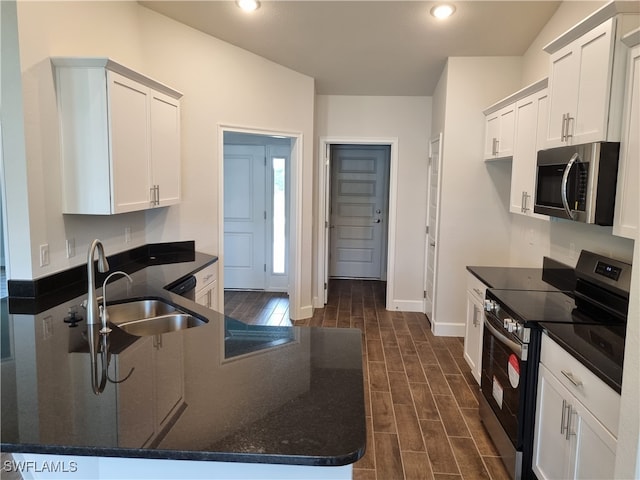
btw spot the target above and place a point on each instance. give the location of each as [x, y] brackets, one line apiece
[44, 255]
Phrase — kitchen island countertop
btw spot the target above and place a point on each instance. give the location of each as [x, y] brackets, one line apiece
[231, 392]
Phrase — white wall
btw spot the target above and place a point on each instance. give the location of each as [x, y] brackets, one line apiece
[409, 120]
[222, 84]
[474, 219]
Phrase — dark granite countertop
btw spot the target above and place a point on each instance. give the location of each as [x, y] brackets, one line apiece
[233, 392]
[552, 277]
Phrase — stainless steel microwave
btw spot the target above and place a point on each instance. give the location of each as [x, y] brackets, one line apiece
[578, 182]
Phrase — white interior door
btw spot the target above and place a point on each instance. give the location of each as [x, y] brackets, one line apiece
[244, 217]
[433, 187]
[358, 214]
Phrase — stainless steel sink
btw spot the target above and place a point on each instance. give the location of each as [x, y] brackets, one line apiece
[151, 317]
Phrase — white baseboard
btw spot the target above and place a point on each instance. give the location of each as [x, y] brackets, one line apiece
[448, 329]
[406, 306]
[304, 312]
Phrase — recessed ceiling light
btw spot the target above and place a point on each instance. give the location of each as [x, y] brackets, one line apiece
[248, 5]
[443, 10]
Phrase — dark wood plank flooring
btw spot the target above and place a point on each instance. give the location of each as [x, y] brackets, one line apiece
[422, 407]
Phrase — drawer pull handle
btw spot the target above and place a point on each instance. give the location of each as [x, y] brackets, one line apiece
[478, 291]
[571, 378]
[562, 420]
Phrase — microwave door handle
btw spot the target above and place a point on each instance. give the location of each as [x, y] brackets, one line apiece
[565, 179]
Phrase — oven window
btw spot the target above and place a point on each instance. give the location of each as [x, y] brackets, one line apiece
[502, 382]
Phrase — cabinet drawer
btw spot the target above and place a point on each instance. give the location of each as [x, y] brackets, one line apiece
[600, 399]
[476, 287]
[207, 275]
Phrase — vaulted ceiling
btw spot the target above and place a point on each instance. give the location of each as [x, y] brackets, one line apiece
[367, 47]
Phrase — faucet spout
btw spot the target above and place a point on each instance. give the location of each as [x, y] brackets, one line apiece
[93, 316]
[104, 314]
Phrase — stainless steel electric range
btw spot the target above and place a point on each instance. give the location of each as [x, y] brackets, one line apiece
[590, 322]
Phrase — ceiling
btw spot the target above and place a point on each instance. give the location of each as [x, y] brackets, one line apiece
[367, 47]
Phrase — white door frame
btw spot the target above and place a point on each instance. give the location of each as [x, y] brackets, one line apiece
[322, 222]
[295, 213]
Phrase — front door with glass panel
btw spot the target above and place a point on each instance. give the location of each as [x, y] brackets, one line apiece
[256, 203]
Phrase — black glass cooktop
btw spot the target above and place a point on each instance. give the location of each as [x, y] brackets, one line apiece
[597, 340]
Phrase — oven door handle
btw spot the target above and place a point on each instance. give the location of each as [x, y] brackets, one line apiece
[513, 346]
[565, 179]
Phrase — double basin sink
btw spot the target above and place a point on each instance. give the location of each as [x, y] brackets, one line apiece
[151, 317]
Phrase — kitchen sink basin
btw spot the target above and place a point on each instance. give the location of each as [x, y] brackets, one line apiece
[150, 317]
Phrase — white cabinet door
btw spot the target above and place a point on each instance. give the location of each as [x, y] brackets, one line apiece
[625, 223]
[551, 448]
[593, 446]
[531, 118]
[165, 147]
[475, 326]
[499, 132]
[580, 88]
[128, 121]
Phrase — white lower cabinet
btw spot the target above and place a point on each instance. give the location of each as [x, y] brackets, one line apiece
[207, 286]
[474, 327]
[571, 442]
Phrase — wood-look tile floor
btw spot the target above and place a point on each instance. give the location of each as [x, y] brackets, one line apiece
[421, 400]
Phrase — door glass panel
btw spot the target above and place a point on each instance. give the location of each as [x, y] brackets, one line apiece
[279, 215]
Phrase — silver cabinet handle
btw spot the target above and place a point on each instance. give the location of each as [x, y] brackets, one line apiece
[563, 135]
[152, 196]
[157, 194]
[563, 418]
[569, 131]
[475, 315]
[569, 415]
[571, 378]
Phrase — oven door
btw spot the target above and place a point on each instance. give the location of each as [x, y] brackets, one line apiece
[503, 381]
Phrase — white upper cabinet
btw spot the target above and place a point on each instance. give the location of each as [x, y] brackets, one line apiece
[499, 128]
[586, 79]
[625, 222]
[119, 136]
[531, 124]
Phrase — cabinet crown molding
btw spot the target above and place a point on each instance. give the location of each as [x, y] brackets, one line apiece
[601, 15]
[514, 97]
[632, 39]
[109, 64]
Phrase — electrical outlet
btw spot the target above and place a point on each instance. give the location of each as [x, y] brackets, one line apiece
[127, 234]
[71, 247]
[44, 255]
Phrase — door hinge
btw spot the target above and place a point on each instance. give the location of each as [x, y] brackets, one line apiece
[427, 229]
[424, 294]
[265, 214]
[325, 285]
[265, 267]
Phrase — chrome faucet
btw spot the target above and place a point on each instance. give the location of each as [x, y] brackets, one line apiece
[104, 314]
[93, 316]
